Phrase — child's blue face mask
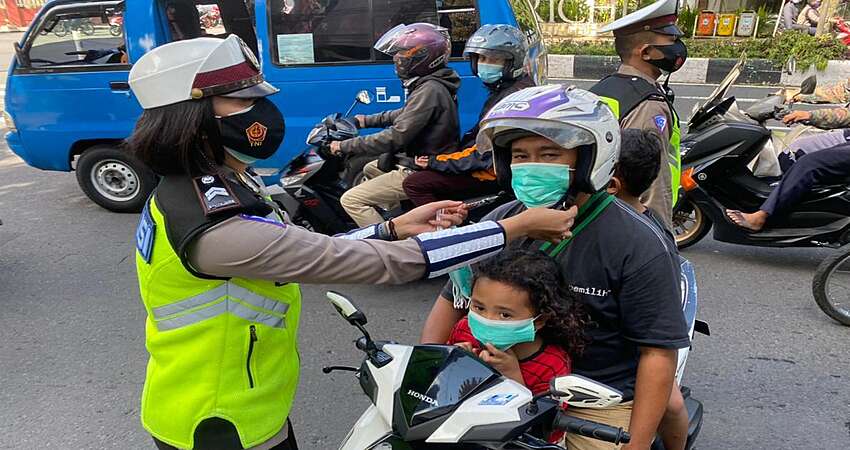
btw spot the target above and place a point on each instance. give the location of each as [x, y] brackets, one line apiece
[502, 334]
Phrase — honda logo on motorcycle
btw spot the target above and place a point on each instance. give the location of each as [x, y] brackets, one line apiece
[422, 397]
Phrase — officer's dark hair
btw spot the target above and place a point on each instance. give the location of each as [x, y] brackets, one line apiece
[538, 275]
[182, 138]
[640, 160]
[625, 44]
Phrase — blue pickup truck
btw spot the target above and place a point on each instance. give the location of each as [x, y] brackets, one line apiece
[69, 106]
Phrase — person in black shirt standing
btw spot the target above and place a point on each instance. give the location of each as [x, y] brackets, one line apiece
[554, 145]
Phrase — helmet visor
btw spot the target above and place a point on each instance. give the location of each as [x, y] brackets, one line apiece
[388, 43]
[400, 37]
[501, 133]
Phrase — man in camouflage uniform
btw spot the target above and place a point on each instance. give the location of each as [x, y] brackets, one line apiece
[825, 160]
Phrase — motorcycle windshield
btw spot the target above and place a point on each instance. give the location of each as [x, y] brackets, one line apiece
[437, 379]
[719, 93]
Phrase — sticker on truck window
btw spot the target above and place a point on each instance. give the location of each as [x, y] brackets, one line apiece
[295, 48]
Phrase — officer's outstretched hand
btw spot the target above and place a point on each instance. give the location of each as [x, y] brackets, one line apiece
[430, 217]
[542, 224]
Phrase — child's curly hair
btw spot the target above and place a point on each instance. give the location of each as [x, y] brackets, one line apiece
[539, 275]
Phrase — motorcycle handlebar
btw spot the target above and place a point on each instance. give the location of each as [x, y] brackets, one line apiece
[590, 429]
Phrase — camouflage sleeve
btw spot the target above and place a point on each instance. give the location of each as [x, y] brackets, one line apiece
[831, 118]
[656, 115]
[834, 93]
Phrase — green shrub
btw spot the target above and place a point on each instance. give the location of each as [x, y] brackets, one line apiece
[807, 50]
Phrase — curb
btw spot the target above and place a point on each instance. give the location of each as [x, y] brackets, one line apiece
[698, 70]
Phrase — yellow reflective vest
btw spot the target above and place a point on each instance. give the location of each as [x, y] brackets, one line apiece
[623, 94]
[218, 348]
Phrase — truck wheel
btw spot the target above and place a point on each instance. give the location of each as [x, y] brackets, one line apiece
[690, 224]
[113, 179]
[830, 286]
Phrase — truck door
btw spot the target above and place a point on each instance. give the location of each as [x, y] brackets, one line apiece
[70, 83]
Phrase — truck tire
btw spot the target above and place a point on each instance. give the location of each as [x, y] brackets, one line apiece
[833, 304]
[114, 179]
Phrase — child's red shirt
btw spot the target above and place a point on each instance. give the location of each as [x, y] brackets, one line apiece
[537, 370]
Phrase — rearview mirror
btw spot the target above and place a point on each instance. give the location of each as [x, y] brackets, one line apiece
[581, 392]
[364, 97]
[808, 85]
[346, 308]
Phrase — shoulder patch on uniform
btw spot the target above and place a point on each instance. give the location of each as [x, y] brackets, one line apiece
[145, 233]
[660, 122]
[215, 194]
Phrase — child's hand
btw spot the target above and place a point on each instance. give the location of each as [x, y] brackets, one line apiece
[468, 347]
[505, 362]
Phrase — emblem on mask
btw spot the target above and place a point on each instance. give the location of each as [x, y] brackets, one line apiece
[208, 180]
[256, 134]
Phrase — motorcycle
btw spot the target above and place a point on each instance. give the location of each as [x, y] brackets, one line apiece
[721, 143]
[831, 286]
[440, 396]
[313, 182]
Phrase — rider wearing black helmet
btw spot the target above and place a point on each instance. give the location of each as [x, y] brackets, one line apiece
[497, 54]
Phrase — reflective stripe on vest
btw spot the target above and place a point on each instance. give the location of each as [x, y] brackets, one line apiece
[227, 298]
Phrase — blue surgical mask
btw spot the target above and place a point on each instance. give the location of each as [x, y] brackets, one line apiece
[245, 159]
[502, 334]
[490, 73]
[540, 184]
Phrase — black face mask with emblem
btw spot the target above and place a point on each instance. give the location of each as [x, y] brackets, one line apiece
[256, 132]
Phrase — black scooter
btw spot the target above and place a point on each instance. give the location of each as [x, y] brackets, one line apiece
[315, 180]
[721, 142]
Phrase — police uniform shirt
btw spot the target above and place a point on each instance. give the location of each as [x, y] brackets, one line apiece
[626, 273]
[263, 248]
[654, 115]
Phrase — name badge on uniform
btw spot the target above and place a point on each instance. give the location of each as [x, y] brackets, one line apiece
[145, 235]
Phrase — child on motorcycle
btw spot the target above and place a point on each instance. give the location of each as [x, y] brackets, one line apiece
[523, 320]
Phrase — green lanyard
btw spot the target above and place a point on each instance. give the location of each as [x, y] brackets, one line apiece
[586, 214]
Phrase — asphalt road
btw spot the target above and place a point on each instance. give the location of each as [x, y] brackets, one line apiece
[774, 373]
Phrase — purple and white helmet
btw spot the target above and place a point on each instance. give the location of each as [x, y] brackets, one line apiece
[570, 117]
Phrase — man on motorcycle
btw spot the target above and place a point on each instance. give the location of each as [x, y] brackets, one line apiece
[555, 145]
[825, 157]
[426, 125]
[649, 45]
[497, 54]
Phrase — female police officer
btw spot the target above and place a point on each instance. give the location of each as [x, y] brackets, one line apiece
[216, 261]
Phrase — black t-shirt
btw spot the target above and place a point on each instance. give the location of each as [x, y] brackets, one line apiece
[626, 273]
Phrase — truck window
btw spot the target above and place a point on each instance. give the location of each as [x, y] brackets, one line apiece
[527, 20]
[189, 19]
[339, 31]
[90, 35]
